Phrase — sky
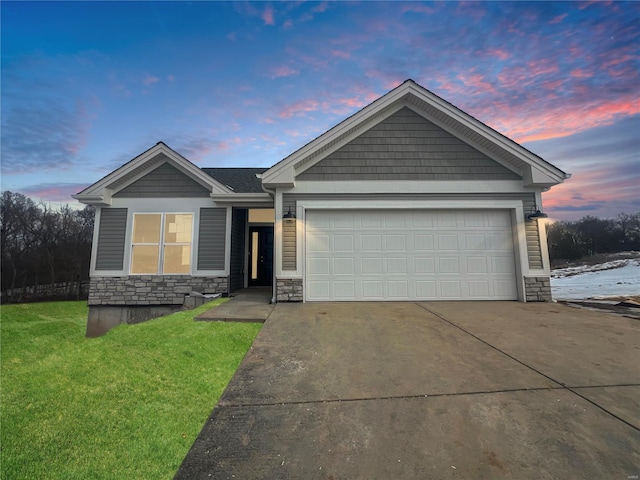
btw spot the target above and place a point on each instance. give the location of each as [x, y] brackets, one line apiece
[87, 86]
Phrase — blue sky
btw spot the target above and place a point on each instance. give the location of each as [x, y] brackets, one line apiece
[86, 86]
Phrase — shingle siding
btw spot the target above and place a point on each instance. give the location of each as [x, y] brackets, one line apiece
[212, 238]
[164, 182]
[111, 239]
[406, 146]
[534, 249]
[288, 235]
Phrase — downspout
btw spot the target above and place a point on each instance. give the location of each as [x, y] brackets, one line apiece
[272, 193]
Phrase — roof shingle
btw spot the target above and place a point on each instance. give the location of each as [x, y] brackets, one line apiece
[240, 180]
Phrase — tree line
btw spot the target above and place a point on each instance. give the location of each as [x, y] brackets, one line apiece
[46, 252]
[571, 240]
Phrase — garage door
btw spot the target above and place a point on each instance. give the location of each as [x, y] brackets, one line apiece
[409, 255]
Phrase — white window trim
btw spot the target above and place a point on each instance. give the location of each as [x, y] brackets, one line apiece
[162, 244]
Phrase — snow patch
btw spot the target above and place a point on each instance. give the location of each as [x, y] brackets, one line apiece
[618, 278]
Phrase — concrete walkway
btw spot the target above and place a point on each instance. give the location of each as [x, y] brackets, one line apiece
[247, 305]
[434, 390]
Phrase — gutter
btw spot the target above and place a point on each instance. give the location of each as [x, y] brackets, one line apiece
[271, 193]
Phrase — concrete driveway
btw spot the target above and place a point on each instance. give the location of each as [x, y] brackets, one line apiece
[432, 390]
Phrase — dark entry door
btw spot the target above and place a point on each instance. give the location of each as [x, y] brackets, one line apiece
[260, 256]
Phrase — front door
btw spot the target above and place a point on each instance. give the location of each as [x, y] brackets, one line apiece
[260, 256]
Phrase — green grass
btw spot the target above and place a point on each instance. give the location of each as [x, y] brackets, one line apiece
[125, 405]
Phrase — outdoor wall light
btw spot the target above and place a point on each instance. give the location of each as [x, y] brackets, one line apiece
[536, 214]
[289, 217]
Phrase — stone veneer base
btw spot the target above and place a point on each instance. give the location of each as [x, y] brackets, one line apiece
[152, 289]
[537, 289]
[289, 290]
[134, 299]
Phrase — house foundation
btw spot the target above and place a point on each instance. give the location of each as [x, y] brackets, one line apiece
[537, 289]
[135, 299]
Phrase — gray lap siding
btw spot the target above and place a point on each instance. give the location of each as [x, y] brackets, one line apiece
[212, 238]
[110, 246]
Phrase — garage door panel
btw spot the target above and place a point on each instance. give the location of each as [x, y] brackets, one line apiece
[366, 255]
[477, 265]
[501, 265]
[371, 266]
[422, 219]
[497, 219]
[319, 289]
[398, 289]
[426, 290]
[479, 289]
[344, 266]
[395, 243]
[396, 266]
[448, 242]
[319, 243]
[344, 289]
[501, 242]
[372, 289]
[446, 219]
[505, 289]
[343, 243]
[473, 219]
[371, 243]
[423, 243]
[450, 289]
[424, 266]
[319, 266]
[449, 265]
[343, 221]
[475, 241]
[394, 220]
[371, 220]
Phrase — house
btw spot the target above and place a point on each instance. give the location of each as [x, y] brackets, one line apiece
[408, 199]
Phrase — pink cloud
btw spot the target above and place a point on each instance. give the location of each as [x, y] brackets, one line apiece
[150, 80]
[560, 119]
[282, 71]
[542, 67]
[558, 18]
[299, 107]
[320, 8]
[340, 54]
[579, 73]
[267, 15]
[389, 80]
[553, 84]
[500, 53]
[478, 82]
[417, 8]
[287, 24]
[49, 192]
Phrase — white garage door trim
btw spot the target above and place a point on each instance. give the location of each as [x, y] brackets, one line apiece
[514, 213]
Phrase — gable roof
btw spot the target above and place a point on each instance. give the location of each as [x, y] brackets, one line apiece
[101, 192]
[239, 180]
[534, 170]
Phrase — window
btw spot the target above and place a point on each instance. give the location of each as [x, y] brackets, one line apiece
[161, 243]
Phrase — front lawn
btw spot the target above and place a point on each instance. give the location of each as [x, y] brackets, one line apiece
[125, 405]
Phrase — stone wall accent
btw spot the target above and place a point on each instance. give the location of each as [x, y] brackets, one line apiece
[537, 289]
[289, 290]
[151, 289]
